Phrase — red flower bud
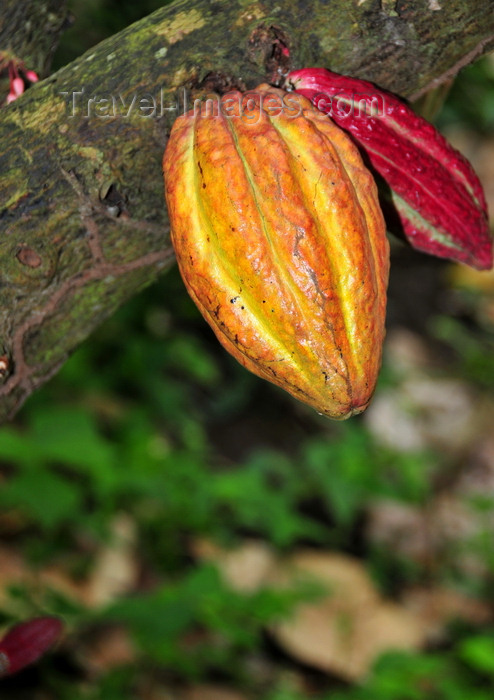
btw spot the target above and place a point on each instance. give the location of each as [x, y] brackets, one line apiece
[435, 192]
[26, 642]
[32, 76]
[17, 86]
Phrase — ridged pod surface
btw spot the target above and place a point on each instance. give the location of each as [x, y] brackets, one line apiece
[281, 243]
[434, 189]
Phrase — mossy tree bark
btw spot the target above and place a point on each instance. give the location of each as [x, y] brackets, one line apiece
[84, 226]
[29, 31]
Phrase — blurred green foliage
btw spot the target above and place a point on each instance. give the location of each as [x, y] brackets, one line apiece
[471, 99]
[140, 421]
[473, 346]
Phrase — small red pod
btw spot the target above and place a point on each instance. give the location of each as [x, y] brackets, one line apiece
[433, 189]
[26, 642]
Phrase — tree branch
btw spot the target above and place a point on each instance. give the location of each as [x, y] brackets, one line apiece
[81, 196]
[30, 30]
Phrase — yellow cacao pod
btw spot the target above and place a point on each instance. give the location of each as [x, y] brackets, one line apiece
[281, 243]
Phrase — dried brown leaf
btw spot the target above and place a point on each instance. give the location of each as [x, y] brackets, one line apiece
[245, 568]
[345, 631]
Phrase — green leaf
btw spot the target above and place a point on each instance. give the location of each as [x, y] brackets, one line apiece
[70, 437]
[45, 497]
[478, 653]
[17, 447]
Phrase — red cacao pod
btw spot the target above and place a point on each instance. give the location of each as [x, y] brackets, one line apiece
[281, 243]
[434, 189]
[26, 642]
